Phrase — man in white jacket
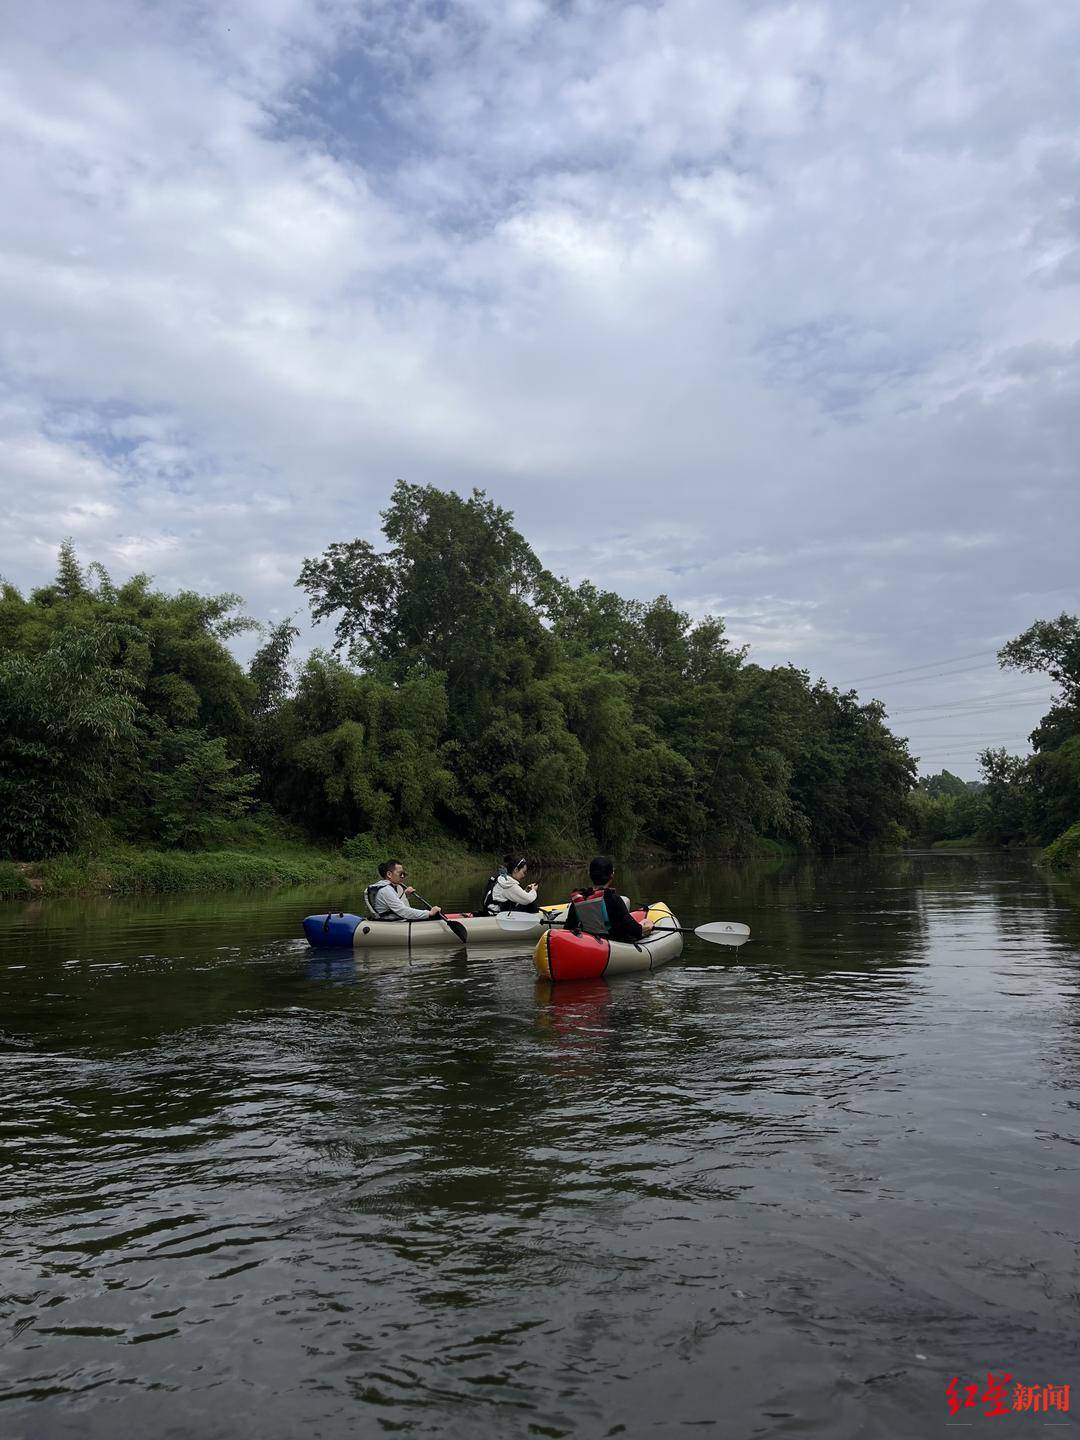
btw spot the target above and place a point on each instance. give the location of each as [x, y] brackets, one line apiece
[386, 898]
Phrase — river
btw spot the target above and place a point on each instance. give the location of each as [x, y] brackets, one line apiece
[793, 1189]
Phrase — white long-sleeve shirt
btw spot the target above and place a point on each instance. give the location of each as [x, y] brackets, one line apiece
[507, 891]
[386, 902]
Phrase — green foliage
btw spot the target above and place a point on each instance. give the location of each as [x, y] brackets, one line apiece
[66, 715]
[142, 871]
[1051, 647]
[478, 701]
[1055, 778]
[1009, 799]
[452, 594]
[198, 792]
[944, 808]
[13, 883]
[625, 721]
[1029, 801]
[1064, 853]
[355, 753]
[940, 786]
[269, 669]
[69, 577]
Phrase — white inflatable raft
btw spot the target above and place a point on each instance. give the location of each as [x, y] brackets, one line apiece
[361, 932]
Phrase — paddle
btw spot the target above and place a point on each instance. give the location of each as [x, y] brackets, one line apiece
[454, 925]
[717, 932]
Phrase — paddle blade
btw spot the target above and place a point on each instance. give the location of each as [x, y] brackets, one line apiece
[458, 930]
[519, 919]
[724, 932]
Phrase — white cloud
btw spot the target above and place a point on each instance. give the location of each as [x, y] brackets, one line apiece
[784, 294]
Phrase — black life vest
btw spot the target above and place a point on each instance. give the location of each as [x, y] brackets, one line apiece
[591, 912]
[488, 905]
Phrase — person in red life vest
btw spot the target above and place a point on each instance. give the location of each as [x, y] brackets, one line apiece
[601, 910]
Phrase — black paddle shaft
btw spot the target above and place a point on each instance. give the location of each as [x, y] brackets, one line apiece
[455, 926]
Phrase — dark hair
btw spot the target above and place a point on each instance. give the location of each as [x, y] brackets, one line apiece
[601, 869]
[387, 866]
[513, 862]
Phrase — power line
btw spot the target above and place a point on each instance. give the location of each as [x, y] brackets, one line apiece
[887, 674]
[918, 721]
[950, 754]
[951, 715]
[978, 704]
[937, 674]
[937, 757]
[975, 735]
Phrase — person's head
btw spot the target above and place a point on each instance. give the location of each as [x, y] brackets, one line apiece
[601, 869]
[516, 866]
[392, 870]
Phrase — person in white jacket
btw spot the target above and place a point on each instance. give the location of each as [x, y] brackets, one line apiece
[386, 898]
[508, 890]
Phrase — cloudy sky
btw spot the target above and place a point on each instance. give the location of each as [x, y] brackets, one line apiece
[773, 307]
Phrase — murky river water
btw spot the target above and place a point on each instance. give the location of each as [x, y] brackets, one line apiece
[792, 1189]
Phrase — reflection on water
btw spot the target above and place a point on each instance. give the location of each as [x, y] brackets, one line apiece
[248, 1189]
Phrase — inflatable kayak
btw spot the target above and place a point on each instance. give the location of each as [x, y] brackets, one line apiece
[562, 955]
[361, 932]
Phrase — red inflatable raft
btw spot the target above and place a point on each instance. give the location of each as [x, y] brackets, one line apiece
[561, 955]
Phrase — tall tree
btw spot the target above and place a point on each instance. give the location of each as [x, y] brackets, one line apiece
[67, 720]
[452, 593]
[1052, 647]
[70, 583]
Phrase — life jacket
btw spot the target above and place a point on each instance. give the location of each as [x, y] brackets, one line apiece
[591, 912]
[489, 905]
[370, 893]
[497, 902]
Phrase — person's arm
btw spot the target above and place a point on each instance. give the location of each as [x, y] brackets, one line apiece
[513, 891]
[390, 902]
[621, 923]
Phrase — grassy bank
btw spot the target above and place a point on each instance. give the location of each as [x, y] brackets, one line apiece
[1064, 853]
[130, 871]
[273, 863]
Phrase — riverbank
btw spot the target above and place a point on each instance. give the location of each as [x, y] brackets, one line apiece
[130, 871]
[1064, 854]
[277, 862]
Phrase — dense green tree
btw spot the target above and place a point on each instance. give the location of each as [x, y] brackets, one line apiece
[166, 655]
[453, 593]
[944, 807]
[1053, 648]
[269, 669]
[70, 584]
[1009, 800]
[357, 754]
[174, 647]
[67, 718]
[1031, 801]
[198, 790]
[941, 785]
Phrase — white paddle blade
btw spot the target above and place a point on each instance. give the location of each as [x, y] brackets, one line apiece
[518, 919]
[724, 932]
